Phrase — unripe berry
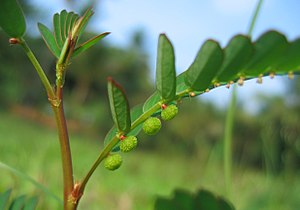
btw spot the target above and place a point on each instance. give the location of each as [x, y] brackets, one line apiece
[113, 162]
[128, 144]
[152, 125]
[169, 112]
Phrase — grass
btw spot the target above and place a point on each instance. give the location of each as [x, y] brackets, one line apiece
[34, 150]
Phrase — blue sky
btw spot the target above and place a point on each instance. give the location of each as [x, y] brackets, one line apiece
[188, 23]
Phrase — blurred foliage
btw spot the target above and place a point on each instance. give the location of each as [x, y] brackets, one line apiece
[270, 138]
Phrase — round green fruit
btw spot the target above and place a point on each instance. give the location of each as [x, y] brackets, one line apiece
[128, 144]
[169, 112]
[113, 162]
[152, 125]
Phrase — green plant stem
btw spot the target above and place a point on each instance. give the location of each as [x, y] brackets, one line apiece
[254, 17]
[228, 142]
[230, 118]
[38, 69]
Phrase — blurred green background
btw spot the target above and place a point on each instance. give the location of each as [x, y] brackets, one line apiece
[187, 153]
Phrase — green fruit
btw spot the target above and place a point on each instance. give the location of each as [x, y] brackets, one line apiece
[113, 162]
[152, 125]
[169, 112]
[128, 144]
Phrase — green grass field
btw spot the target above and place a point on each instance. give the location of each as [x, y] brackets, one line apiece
[34, 150]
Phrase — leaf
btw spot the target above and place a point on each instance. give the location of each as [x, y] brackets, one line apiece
[68, 23]
[31, 203]
[62, 19]
[202, 200]
[84, 20]
[180, 83]
[49, 39]
[151, 101]
[184, 200]
[12, 19]
[290, 60]
[205, 66]
[119, 106]
[268, 49]
[4, 198]
[56, 25]
[238, 53]
[86, 45]
[205, 200]
[74, 19]
[164, 204]
[18, 203]
[135, 113]
[165, 69]
[110, 135]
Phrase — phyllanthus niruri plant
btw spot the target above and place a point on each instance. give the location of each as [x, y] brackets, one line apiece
[242, 59]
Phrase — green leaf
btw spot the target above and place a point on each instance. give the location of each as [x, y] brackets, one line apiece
[180, 83]
[62, 20]
[202, 200]
[268, 49]
[290, 60]
[164, 204]
[18, 203]
[165, 69]
[205, 200]
[4, 198]
[238, 53]
[12, 19]
[68, 23]
[82, 22]
[135, 113]
[205, 66]
[49, 39]
[75, 17]
[152, 101]
[184, 200]
[86, 45]
[56, 25]
[119, 106]
[110, 135]
[31, 203]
